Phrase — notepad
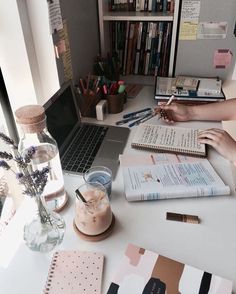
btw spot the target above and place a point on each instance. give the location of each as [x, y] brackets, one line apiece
[168, 139]
[145, 271]
[75, 272]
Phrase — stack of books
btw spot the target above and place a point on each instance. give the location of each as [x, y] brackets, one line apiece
[189, 90]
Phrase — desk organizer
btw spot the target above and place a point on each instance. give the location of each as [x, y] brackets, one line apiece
[87, 104]
[116, 102]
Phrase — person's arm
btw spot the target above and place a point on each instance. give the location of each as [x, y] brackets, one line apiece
[219, 111]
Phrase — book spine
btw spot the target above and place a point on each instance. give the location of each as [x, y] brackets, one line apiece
[126, 47]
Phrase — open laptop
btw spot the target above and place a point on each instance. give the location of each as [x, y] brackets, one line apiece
[82, 145]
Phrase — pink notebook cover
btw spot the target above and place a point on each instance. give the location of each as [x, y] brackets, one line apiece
[75, 272]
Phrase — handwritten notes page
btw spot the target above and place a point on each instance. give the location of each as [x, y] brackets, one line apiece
[166, 138]
[172, 180]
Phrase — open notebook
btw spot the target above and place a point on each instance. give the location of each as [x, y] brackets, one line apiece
[168, 139]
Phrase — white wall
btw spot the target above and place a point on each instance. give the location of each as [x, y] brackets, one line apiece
[26, 52]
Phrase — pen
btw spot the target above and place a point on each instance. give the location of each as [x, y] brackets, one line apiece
[135, 112]
[137, 122]
[147, 118]
[138, 115]
[124, 121]
[187, 218]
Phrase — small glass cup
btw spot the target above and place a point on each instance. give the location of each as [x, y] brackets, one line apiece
[93, 214]
[100, 174]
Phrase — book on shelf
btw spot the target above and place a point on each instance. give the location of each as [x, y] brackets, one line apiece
[75, 271]
[166, 86]
[142, 271]
[142, 47]
[168, 139]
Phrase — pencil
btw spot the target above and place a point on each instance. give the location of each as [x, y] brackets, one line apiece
[170, 100]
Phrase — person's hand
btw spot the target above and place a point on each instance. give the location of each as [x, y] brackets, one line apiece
[221, 141]
[174, 112]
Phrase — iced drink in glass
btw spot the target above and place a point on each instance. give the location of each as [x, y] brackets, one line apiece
[93, 214]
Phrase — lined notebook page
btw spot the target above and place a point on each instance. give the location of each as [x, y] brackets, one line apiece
[168, 138]
[75, 272]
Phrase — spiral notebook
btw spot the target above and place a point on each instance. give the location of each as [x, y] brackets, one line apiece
[168, 139]
[75, 272]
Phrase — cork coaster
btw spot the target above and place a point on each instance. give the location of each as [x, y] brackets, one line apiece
[95, 238]
[57, 204]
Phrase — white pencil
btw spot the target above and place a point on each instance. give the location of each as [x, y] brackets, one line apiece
[170, 100]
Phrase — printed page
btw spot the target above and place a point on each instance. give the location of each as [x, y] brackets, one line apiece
[132, 159]
[169, 138]
[173, 181]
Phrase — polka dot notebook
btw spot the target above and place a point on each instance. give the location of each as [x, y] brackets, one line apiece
[75, 272]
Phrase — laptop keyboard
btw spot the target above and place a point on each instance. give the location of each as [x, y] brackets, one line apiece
[83, 149]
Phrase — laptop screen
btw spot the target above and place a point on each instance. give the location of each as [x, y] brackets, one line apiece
[61, 113]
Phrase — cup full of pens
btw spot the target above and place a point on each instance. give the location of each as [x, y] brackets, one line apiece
[89, 95]
[114, 93]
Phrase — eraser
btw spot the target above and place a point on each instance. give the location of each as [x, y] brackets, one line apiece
[101, 109]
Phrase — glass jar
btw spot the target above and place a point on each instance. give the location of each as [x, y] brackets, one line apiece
[93, 215]
[32, 120]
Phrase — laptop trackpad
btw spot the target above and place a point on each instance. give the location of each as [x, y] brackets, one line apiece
[111, 149]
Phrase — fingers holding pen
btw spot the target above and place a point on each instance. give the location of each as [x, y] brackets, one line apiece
[173, 112]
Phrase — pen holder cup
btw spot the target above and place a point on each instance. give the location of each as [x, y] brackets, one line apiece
[87, 104]
[116, 102]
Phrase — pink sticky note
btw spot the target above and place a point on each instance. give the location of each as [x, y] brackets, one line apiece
[222, 58]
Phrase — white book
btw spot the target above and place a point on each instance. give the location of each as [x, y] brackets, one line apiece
[147, 59]
[172, 180]
[138, 5]
[140, 29]
[150, 5]
[209, 86]
[142, 5]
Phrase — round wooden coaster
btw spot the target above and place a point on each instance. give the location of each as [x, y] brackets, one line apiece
[95, 238]
[57, 205]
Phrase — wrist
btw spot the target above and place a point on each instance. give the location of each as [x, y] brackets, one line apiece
[192, 113]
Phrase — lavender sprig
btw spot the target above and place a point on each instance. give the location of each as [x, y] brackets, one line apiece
[7, 140]
[6, 155]
[34, 182]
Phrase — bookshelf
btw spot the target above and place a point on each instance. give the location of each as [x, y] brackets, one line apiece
[106, 17]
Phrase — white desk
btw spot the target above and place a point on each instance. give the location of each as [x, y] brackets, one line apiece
[210, 245]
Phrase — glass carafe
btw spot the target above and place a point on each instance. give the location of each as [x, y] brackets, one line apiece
[32, 120]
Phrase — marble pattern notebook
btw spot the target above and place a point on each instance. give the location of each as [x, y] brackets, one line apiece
[75, 272]
[145, 272]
